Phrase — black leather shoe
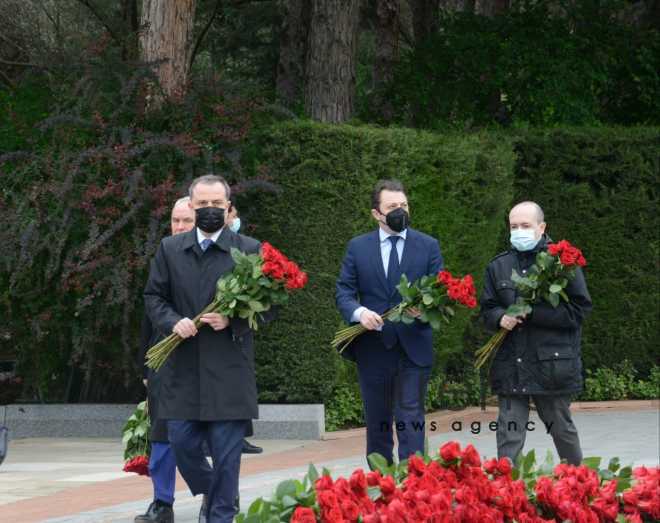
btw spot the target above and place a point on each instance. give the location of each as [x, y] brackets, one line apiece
[249, 448]
[203, 510]
[156, 513]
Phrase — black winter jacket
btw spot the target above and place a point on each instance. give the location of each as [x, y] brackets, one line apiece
[541, 355]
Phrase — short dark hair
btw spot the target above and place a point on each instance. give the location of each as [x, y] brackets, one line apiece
[210, 179]
[385, 185]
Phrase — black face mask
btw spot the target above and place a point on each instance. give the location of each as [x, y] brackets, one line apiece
[397, 220]
[210, 219]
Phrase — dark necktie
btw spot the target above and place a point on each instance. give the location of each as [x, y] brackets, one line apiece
[390, 337]
[205, 243]
[393, 269]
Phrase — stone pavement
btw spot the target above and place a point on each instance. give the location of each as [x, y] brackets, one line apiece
[80, 480]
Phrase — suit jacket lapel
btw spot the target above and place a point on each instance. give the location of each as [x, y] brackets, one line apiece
[224, 240]
[189, 242]
[377, 260]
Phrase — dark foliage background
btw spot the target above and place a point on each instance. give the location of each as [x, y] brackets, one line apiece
[543, 64]
[86, 186]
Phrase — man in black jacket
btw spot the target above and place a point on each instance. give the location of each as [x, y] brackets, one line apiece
[162, 466]
[208, 387]
[540, 357]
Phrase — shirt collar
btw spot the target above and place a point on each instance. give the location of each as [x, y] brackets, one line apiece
[384, 236]
[201, 237]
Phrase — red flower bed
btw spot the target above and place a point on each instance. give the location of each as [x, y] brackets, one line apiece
[457, 487]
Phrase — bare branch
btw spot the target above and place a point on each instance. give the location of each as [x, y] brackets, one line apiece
[22, 64]
[13, 44]
[47, 13]
[198, 43]
[104, 23]
[7, 80]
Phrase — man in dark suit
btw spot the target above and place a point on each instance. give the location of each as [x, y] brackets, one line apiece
[394, 360]
[208, 388]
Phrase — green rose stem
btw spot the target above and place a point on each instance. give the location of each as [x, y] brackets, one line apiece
[484, 353]
[345, 337]
[157, 354]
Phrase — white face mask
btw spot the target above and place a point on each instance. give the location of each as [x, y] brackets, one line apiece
[235, 225]
[524, 239]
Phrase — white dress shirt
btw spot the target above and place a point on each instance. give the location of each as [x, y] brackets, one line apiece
[201, 237]
[385, 250]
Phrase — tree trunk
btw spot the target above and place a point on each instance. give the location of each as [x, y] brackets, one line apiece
[166, 43]
[331, 58]
[387, 50]
[293, 50]
[425, 18]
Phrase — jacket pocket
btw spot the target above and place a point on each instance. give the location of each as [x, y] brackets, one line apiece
[558, 366]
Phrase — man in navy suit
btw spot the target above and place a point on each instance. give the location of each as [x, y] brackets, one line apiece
[394, 360]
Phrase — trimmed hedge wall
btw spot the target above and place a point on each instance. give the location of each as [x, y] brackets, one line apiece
[459, 189]
[599, 189]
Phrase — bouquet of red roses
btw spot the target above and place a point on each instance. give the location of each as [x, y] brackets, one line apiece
[256, 283]
[136, 441]
[546, 280]
[433, 296]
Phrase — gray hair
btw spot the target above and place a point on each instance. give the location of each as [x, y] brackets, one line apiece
[181, 201]
[209, 179]
[540, 216]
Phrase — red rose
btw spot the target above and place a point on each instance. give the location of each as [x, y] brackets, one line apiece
[371, 518]
[323, 483]
[373, 478]
[454, 292]
[303, 515]
[504, 466]
[273, 269]
[138, 464]
[333, 515]
[450, 451]
[350, 510]
[387, 485]
[471, 456]
[554, 249]
[568, 257]
[445, 277]
[358, 481]
[490, 466]
[471, 302]
[416, 465]
[298, 281]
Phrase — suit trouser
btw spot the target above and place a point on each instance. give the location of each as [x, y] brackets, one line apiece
[162, 470]
[219, 483]
[393, 389]
[555, 414]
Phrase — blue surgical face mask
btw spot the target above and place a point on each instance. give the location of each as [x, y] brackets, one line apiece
[524, 239]
[235, 225]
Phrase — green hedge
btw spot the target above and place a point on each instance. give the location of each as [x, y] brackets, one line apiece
[459, 188]
[80, 283]
[599, 189]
